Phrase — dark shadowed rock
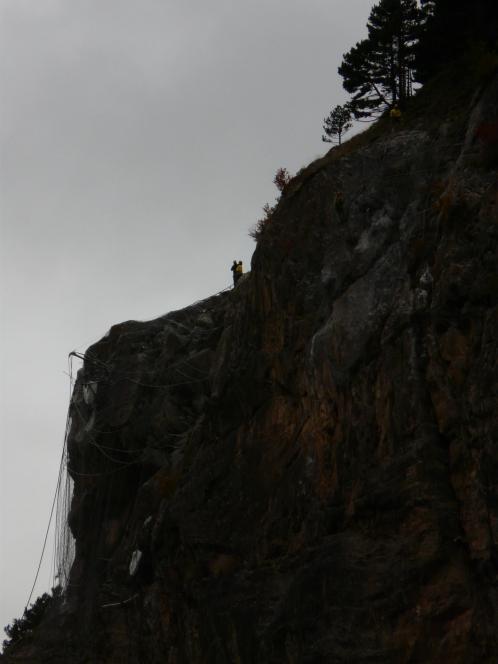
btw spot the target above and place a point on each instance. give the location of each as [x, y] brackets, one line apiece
[304, 469]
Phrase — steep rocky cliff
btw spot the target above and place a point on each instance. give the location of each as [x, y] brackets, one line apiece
[304, 469]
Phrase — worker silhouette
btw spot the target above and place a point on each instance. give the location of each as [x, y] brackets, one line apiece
[237, 270]
[234, 272]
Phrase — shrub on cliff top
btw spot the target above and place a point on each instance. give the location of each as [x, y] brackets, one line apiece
[259, 227]
[281, 181]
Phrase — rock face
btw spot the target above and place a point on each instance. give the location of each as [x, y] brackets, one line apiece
[304, 469]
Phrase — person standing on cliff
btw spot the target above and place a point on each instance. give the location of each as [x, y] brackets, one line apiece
[239, 271]
[234, 272]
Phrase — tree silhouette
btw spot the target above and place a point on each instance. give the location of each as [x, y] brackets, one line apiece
[378, 71]
[282, 179]
[31, 618]
[337, 123]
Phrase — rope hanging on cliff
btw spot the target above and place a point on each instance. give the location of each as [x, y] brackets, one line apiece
[122, 603]
[46, 533]
[61, 479]
[63, 553]
[105, 449]
[127, 376]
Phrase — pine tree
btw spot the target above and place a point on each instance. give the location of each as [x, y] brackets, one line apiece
[378, 71]
[337, 123]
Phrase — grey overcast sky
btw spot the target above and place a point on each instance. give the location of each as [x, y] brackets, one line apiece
[139, 140]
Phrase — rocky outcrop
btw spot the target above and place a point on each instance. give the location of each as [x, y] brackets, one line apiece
[304, 469]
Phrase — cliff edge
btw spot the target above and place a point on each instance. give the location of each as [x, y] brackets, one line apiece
[304, 469]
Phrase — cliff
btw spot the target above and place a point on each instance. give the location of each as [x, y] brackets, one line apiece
[304, 469]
